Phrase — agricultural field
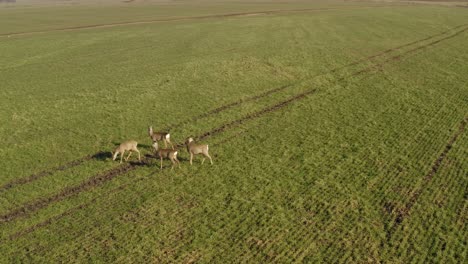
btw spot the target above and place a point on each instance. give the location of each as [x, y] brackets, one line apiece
[338, 131]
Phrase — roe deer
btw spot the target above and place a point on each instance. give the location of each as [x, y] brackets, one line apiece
[166, 153]
[160, 136]
[195, 149]
[130, 145]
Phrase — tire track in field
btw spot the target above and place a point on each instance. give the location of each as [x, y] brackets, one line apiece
[100, 178]
[104, 177]
[44, 173]
[255, 115]
[403, 213]
[77, 162]
[385, 52]
[68, 212]
[72, 210]
[230, 105]
[69, 191]
[204, 135]
[175, 19]
[134, 166]
[400, 56]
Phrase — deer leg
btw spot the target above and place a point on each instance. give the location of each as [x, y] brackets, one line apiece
[165, 143]
[203, 160]
[172, 146]
[208, 155]
[139, 157]
[121, 156]
[161, 162]
[178, 162]
[173, 162]
[129, 155]
[191, 158]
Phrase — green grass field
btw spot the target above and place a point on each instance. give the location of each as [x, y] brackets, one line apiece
[338, 132]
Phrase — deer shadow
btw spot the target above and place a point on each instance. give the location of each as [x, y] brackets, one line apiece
[102, 155]
[105, 155]
[138, 163]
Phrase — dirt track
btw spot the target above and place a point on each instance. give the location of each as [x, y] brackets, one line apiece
[65, 213]
[67, 192]
[171, 19]
[79, 161]
[403, 212]
[127, 167]
[230, 105]
[400, 56]
[70, 211]
[398, 48]
[106, 176]
[36, 176]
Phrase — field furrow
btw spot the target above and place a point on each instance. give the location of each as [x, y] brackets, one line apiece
[337, 131]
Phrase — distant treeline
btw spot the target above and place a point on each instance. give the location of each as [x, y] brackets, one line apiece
[7, 1]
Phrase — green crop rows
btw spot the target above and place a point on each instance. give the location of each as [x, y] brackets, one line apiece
[337, 130]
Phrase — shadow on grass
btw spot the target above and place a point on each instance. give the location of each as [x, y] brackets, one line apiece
[148, 159]
[102, 155]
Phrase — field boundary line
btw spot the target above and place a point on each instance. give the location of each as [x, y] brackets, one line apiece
[182, 18]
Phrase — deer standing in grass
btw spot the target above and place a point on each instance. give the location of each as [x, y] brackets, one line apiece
[130, 145]
[195, 149]
[160, 136]
[170, 154]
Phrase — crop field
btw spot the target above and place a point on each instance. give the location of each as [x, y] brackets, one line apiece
[338, 131]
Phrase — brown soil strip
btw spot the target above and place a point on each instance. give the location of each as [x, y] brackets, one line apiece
[268, 12]
[403, 213]
[125, 168]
